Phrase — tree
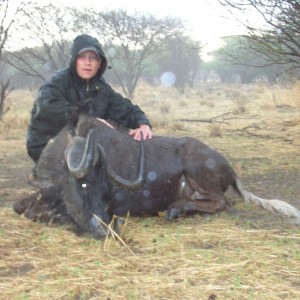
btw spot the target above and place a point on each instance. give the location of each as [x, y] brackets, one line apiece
[181, 56]
[276, 37]
[130, 40]
[237, 58]
[46, 38]
[8, 14]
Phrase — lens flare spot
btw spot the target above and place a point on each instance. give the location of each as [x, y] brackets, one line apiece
[146, 193]
[168, 78]
[119, 196]
[152, 175]
[210, 163]
[111, 52]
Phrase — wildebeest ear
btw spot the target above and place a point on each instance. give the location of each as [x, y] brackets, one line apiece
[73, 116]
[71, 126]
[70, 136]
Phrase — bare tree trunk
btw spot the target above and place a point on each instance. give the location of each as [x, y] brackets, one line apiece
[5, 89]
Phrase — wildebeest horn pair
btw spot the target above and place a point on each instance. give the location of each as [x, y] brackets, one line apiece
[82, 154]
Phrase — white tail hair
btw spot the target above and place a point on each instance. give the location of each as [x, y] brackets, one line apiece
[274, 205]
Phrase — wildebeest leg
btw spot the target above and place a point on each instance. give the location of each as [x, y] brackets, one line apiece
[43, 206]
[39, 210]
[216, 204]
[21, 205]
[192, 198]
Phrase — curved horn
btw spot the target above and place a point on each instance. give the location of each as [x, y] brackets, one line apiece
[128, 184]
[80, 155]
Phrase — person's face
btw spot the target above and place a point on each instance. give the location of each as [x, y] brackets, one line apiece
[87, 64]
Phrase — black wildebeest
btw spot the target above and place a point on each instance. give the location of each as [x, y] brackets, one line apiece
[92, 169]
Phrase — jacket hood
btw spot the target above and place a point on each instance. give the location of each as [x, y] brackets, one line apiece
[86, 41]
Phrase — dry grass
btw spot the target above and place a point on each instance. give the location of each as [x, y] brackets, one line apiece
[246, 254]
[189, 259]
[215, 130]
[17, 112]
[281, 97]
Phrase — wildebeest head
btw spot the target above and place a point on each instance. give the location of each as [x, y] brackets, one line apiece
[83, 154]
[87, 189]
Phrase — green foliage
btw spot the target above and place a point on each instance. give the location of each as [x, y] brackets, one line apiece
[237, 57]
[274, 35]
[181, 55]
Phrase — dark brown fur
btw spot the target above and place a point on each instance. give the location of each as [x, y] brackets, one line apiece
[183, 175]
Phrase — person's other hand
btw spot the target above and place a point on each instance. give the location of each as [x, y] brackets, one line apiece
[136, 133]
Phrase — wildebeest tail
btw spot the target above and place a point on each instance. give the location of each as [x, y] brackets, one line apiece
[274, 205]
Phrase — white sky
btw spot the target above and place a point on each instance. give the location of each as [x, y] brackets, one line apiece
[204, 19]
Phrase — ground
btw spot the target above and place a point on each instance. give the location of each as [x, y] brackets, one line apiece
[261, 140]
[248, 253]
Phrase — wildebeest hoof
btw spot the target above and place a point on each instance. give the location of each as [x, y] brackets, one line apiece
[173, 213]
[96, 228]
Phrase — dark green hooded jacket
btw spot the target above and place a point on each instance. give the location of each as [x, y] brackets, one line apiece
[66, 94]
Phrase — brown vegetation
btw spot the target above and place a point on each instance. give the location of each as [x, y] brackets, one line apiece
[248, 253]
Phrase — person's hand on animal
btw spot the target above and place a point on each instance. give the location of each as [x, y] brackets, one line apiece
[144, 129]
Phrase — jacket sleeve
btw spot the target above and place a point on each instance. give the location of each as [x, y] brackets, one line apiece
[51, 107]
[124, 111]
[48, 116]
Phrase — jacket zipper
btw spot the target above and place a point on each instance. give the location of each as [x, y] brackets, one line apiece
[87, 90]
